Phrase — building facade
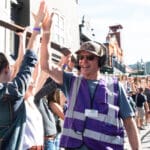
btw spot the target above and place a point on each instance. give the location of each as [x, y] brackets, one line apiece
[17, 14]
[67, 30]
[115, 61]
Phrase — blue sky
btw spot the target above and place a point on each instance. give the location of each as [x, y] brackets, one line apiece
[133, 15]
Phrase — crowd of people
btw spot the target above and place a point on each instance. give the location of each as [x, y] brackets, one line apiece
[138, 91]
[71, 105]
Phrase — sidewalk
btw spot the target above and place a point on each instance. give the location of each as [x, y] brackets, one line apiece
[142, 133]
[147, 131]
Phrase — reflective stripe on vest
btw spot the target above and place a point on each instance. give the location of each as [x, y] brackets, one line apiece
[72, 133]
[101, 117]
[103, 137]
[109, 118]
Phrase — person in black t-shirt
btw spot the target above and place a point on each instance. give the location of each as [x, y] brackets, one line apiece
[141, 107]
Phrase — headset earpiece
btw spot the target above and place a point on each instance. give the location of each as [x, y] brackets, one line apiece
[102, 60]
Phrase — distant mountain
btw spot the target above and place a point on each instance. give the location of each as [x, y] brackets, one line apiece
[139, 66]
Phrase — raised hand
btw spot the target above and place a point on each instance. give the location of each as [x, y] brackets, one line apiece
[39, 17]
[47, 22]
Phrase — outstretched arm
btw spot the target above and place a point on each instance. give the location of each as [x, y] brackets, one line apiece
[21, 52]
[52, 71]
[40, 16]
[21, 81]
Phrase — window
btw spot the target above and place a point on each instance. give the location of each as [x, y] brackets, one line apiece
[58, 29]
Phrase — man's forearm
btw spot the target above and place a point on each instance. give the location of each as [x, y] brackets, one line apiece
[44, 52]
[45, 90]
[132, 133]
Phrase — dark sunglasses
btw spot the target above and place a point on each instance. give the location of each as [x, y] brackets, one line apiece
[87, 57]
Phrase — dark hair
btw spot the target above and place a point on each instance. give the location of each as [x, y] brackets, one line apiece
[3, 62]
[73, 58]
[141, 89]
[54, 96]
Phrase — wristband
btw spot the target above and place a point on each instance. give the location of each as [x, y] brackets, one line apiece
[46, 32]
[38, 29]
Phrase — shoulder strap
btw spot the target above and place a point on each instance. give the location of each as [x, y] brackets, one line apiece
[75, 90]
